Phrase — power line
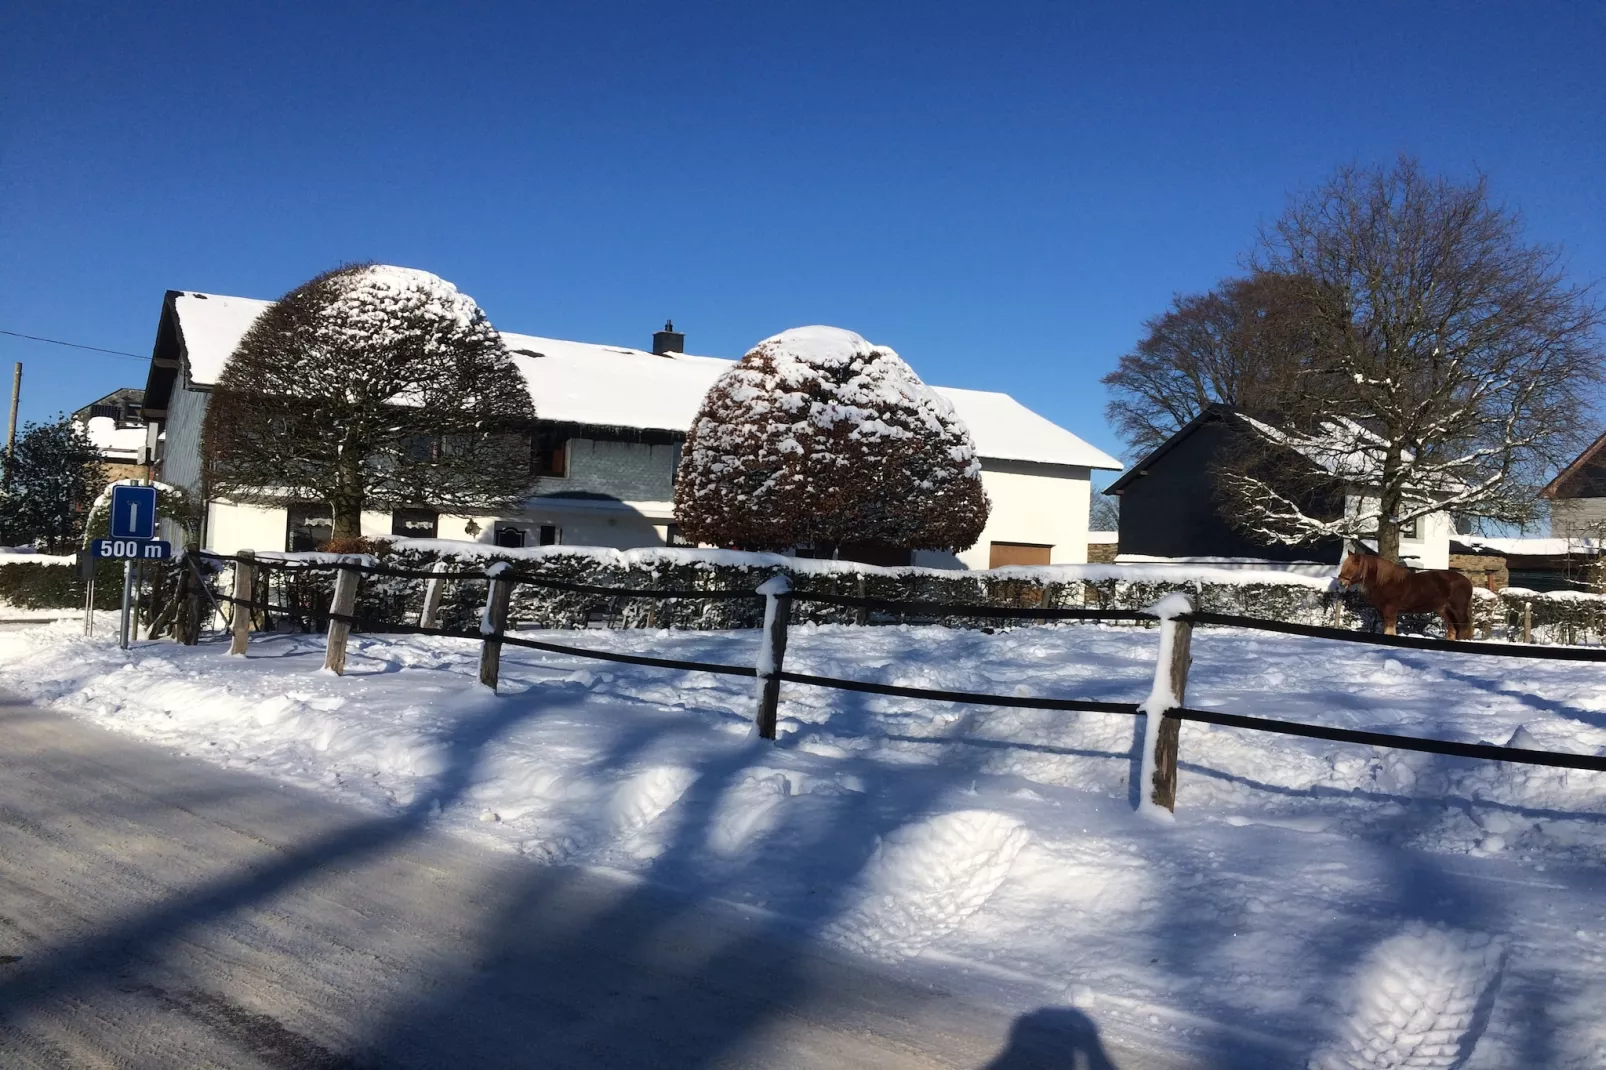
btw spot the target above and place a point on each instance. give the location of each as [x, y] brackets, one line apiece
[75, 345]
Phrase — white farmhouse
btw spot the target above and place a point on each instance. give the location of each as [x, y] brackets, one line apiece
[611, 422]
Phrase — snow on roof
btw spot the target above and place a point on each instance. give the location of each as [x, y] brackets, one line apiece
[1004, 429]
[1535, 547]
[614, 386]
[1350, 451]
[634, 388]
[113, 442]
[212, 326]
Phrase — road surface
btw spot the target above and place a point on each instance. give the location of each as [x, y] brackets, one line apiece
[158, 911]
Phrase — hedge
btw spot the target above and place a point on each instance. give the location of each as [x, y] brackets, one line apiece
[1272, 595]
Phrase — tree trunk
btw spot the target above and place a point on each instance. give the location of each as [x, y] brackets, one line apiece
[347, 501]
[347, 519]
[1388, 537]
[1388, 508]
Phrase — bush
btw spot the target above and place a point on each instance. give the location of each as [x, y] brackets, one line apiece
[818, 438]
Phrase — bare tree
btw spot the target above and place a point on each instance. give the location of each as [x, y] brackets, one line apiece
[371, 387]
[1104, 514]
[1239, 345]
[1454, 363]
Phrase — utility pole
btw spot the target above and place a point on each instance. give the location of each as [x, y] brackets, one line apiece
[11, 428]
[16, 394]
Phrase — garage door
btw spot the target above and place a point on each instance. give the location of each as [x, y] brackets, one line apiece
[1017, 553]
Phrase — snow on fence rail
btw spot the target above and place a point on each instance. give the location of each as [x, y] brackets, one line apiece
[1164, 707]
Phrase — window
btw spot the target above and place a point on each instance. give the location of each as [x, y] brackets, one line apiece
[550, 535]
[509, 536]
[673, 537]
[1000, 554]
[1408, 528]
[415, 523]
[549, 455]
[308, 526]
[419, 448]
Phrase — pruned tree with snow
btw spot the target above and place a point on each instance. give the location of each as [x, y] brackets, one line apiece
[51, 476]
[1454, 363]
[818, 438]
[371, 387]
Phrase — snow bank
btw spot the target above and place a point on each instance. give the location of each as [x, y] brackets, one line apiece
[1309, 900]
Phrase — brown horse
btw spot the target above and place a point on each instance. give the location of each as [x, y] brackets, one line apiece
[1394, 589]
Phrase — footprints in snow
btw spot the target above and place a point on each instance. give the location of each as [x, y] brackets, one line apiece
[1419, 1001]
[927, 878]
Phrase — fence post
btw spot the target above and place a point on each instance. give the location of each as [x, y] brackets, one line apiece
[1527, 622]
[777, 592]
[193, 588]
[430, 615]
[245, 570]
[343, 603]
[1162, 732]
[493, 621]
[861, 615]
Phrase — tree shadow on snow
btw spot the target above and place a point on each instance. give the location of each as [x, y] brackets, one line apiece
[572, 970]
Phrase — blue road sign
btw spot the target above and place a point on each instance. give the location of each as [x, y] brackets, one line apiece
[133, 512]
[132, 549]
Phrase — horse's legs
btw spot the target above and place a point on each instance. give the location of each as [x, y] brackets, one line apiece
[1452, 630]
[1389, 618]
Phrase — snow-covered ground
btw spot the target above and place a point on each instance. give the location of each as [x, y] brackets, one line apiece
[1316, 903]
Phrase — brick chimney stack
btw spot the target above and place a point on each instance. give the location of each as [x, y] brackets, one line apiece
[668, 340]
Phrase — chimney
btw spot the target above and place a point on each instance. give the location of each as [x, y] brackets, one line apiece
[668, 340]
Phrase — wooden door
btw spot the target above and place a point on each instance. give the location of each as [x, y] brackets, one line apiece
[1000, 554]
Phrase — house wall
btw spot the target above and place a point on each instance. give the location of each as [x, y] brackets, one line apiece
[1431, 546]
[1172, 511]
[1573, 518]
[1031, 503]
[616, 528]
[628, 471]
[233, 526]
[181, 455]
[621, 498]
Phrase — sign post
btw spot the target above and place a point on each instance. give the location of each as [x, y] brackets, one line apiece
[133, 538]
[128, 591]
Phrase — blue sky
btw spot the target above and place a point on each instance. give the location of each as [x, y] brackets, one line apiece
[1002, 192]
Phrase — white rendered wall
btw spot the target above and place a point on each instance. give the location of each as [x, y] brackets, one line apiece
[1430, 548]
[1045, 504]
[232, 527]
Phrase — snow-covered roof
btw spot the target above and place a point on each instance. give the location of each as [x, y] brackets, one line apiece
[115, 443]
[1534, 547]
[212, 326]
[583, 383]
[613, 386]
[1351, 451]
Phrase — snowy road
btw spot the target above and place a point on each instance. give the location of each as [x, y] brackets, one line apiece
[157, 911]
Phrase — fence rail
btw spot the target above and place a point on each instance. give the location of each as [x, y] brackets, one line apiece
[1165, 703]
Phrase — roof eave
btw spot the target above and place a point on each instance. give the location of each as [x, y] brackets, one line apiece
[1553, 488]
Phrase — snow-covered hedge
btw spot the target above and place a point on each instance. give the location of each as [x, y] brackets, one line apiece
[1566, 617]
[1275, 595]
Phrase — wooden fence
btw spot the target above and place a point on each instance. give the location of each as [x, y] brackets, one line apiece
[1166, 701]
